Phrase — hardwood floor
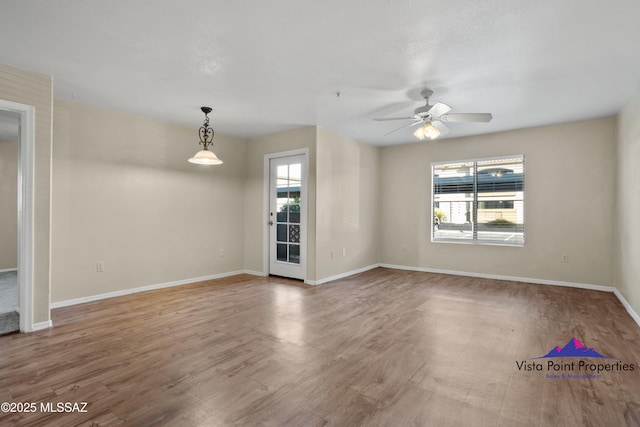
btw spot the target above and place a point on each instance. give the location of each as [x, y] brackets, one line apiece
[385, 347]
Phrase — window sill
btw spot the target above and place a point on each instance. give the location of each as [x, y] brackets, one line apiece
[477, 242]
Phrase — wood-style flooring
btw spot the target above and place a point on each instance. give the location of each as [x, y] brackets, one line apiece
[385, 347]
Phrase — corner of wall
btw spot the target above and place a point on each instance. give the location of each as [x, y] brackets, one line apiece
[627, 205]
[348, 201]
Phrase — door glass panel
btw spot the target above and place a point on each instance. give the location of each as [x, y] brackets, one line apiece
[282, 233]
[294, 233]
[281, 252]
[283, 176]
[294, 254]
[289, 180]
[295, 172]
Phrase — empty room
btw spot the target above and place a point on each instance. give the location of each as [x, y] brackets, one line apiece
[319, 213]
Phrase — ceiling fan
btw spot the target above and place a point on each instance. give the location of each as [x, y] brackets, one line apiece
[432, 116]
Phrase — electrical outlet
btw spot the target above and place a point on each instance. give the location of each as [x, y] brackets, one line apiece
[565, 259]
[99, 267]
[344, 252]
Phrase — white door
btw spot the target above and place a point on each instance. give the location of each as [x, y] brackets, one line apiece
[288, 217]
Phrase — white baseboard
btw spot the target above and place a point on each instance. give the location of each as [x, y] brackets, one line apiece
[501, 277]
[617, 293]
[40, 326]
[626, 305]
[342, 275]
[59, 304]
[6, 270]
[123, 292]
[255, 273]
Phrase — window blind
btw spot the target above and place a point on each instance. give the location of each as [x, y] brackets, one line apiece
[479, 201]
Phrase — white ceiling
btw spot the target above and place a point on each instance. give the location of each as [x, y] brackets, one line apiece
[269, 66]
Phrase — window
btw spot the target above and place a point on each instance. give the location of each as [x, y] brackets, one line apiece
[479, 201]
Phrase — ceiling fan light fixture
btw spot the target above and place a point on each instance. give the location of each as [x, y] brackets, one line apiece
[205, 156]
[437, 113]
[426, 131]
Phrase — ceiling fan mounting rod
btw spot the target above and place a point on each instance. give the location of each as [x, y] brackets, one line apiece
[426, 94]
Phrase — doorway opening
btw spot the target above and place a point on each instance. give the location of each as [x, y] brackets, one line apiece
[9, 159]
[17, 127]
[287, 214]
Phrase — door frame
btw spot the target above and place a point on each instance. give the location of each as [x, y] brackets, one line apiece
[25, 208]
[265, 205]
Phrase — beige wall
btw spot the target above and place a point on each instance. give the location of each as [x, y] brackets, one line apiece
[125, 195]
[8, 205]
[569, 204]
[347, 201]
[627, 253]
[254, 191]
[36, 90]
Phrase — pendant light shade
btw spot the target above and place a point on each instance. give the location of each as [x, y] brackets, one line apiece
[205, 156]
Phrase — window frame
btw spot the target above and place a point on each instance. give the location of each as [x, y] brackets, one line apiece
[476, 202]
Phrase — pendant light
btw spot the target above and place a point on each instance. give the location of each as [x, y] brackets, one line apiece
[204, 156]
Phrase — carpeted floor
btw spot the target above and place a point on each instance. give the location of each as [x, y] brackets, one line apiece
[9, 319]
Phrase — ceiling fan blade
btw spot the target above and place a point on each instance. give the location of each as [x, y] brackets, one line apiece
[405, 126]
[466, 117]
[441, 127]
[384, 119]
[439, 109]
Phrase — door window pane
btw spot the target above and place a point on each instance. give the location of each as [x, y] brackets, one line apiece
[295, 172]
[289, 182]
[281, 235]
[294, 254]
[281, 252]
[294, 233]
[283, 176]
